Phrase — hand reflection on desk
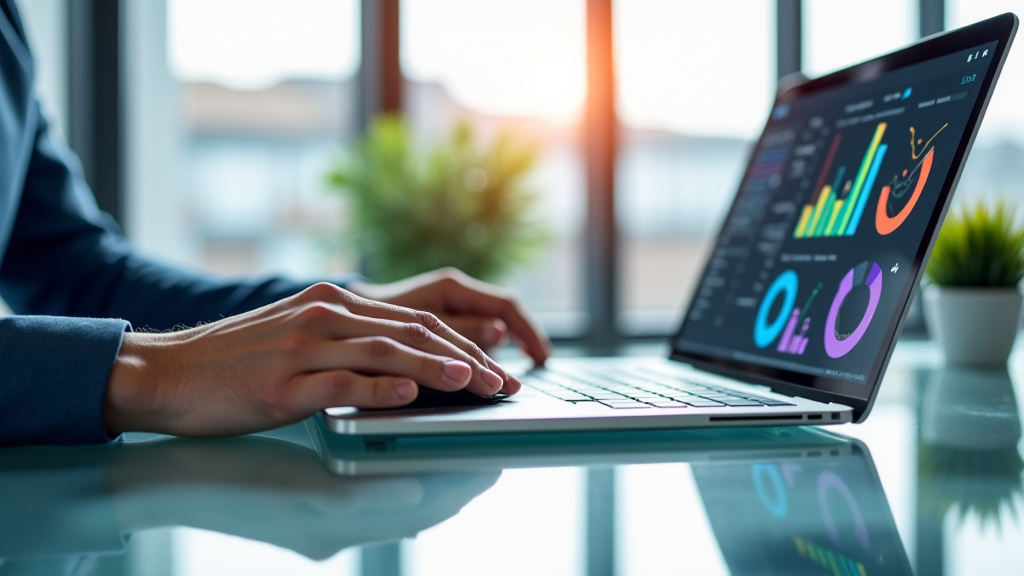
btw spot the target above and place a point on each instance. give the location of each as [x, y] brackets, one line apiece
[66, 501]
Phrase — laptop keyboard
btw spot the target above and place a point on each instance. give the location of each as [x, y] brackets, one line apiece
[641, 389]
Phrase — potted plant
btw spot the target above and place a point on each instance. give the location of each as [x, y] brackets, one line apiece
[457, 203]
[972, 303]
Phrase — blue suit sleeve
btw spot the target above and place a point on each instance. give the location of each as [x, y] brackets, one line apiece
[55, 372]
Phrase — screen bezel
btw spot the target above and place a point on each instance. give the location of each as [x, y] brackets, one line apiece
[1000, 29]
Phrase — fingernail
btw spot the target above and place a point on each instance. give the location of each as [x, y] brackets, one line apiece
[497, 369]
[458, 371]
[492, 379]
[404, 390]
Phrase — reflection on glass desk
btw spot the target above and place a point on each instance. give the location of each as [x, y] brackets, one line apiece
[929, 485]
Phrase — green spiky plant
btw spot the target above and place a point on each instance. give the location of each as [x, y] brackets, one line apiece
[979, 246]
[457, 203]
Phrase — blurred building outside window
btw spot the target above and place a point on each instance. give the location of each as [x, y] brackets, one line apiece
[995, 167]
[514, 66]
[690, 102]
[232, 129]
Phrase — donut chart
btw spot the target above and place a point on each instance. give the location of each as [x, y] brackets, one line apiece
[784, 285]
[867, 274]
[886, 224]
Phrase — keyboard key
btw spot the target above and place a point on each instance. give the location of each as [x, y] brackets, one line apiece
[740, 402]
[609, 396]
[699, 403]
[646, 397]
[626, 403]
[569, 396]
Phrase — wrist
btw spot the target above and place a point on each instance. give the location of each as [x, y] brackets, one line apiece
[130, 404]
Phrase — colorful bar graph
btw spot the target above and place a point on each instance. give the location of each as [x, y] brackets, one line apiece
[862, 175]
[859, 210]
[805, 219]
[791, 342]
[838, 207]
[830, 203]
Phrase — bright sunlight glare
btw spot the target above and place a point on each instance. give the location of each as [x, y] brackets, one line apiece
[252, 44]
[522, 58]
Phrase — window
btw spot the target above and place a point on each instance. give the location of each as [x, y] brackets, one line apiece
[839, 34]
[996, 164]
[517, 66]
[232, 130]
[690, 100]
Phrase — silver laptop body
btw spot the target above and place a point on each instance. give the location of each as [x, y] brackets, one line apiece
[798, 309]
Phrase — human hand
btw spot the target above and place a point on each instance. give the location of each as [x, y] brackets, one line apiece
[276, 492]
[485, 314]
[321, 348]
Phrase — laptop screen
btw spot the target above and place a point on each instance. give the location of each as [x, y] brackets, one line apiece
[822, 249]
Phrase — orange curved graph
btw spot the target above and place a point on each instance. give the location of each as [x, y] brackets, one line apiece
[886, 224]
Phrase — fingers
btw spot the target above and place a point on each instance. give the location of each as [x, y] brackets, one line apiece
[464, 295]
[381, 355]
[484, 331]
[316, 391]
[487, 333]
[339, 314]
[435, 336]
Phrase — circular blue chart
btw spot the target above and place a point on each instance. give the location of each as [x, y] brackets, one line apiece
[785, 285]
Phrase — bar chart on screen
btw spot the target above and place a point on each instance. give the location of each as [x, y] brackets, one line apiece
[837, 207]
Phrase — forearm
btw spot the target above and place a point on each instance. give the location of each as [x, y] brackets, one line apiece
[102, 278]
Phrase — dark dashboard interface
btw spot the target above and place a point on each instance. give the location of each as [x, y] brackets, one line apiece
[813, 265]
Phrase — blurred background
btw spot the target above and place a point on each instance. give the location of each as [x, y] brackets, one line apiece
[206, 127]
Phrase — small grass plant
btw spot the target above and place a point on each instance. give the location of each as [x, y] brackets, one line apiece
[980, 245]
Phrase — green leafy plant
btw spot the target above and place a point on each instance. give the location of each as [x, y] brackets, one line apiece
[979, 246]
[457, 203]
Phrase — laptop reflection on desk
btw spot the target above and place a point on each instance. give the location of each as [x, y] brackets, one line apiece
[786, 517]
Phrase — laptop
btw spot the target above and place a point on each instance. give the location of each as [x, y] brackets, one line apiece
[796, 313]
[348, 455]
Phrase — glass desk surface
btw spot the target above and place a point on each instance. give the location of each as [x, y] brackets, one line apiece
[931, 484]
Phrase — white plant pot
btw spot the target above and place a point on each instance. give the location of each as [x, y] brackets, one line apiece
[973, 326]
